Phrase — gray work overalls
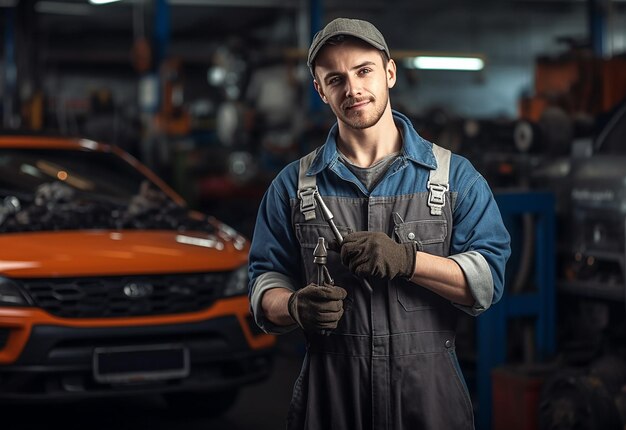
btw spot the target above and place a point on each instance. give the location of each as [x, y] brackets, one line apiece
[391, 363]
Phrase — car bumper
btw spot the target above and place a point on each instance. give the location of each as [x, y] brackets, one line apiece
[56, 360]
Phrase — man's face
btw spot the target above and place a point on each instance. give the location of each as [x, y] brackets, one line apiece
[352, 79]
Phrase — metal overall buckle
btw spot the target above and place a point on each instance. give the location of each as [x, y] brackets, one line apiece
[307, 202]
[436, 197]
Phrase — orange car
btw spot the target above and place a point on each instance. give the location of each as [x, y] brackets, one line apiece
[109, 285]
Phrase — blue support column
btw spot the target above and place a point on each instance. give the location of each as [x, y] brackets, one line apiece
[161, 31]
[160, 42]
[545, 273]
[539, 304]
[596, 15]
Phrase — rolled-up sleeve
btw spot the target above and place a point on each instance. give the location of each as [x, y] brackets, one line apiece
[480, 243]
[266, 281]
[273, 259]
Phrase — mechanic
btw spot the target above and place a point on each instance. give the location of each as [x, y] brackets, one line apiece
[423, 241]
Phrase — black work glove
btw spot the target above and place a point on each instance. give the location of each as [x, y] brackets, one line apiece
[373, 253]
[317, 307]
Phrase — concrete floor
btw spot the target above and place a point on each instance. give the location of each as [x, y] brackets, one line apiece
[262, 406]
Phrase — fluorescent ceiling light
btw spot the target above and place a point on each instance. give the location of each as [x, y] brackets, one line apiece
[102, 1]
[445, 63]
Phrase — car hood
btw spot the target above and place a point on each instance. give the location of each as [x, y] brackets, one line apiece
[104, 253]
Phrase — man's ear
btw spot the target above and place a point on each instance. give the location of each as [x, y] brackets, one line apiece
[319, 90]
[391, 73]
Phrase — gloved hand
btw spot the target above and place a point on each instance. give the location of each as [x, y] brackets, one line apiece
[373, 253]
[316, 308]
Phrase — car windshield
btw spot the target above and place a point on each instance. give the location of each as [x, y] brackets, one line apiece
[60, 189]
[101, 174]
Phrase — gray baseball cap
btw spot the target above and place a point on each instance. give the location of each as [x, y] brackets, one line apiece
[363, 30]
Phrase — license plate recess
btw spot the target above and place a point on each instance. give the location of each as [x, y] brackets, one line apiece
[135, 364]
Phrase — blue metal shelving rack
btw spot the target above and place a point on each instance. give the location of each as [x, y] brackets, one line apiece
[539, 304]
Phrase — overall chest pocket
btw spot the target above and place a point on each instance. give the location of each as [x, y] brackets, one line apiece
[430, 237]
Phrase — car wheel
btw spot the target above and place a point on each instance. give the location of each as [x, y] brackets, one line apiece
[200, 404]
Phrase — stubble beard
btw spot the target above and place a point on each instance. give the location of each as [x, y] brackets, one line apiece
[360, 120]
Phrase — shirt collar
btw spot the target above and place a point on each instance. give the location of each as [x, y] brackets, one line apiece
[414, 147]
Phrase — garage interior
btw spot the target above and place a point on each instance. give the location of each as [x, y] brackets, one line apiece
[214, 96]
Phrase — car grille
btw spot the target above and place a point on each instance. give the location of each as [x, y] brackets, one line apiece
[109, 297]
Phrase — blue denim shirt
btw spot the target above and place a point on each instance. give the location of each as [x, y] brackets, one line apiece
[478, 230]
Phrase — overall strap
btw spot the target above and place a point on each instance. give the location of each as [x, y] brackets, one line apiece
[307, 187]
[438, 181]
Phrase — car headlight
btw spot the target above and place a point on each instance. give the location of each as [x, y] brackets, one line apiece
[237, 282]
[11, 294]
